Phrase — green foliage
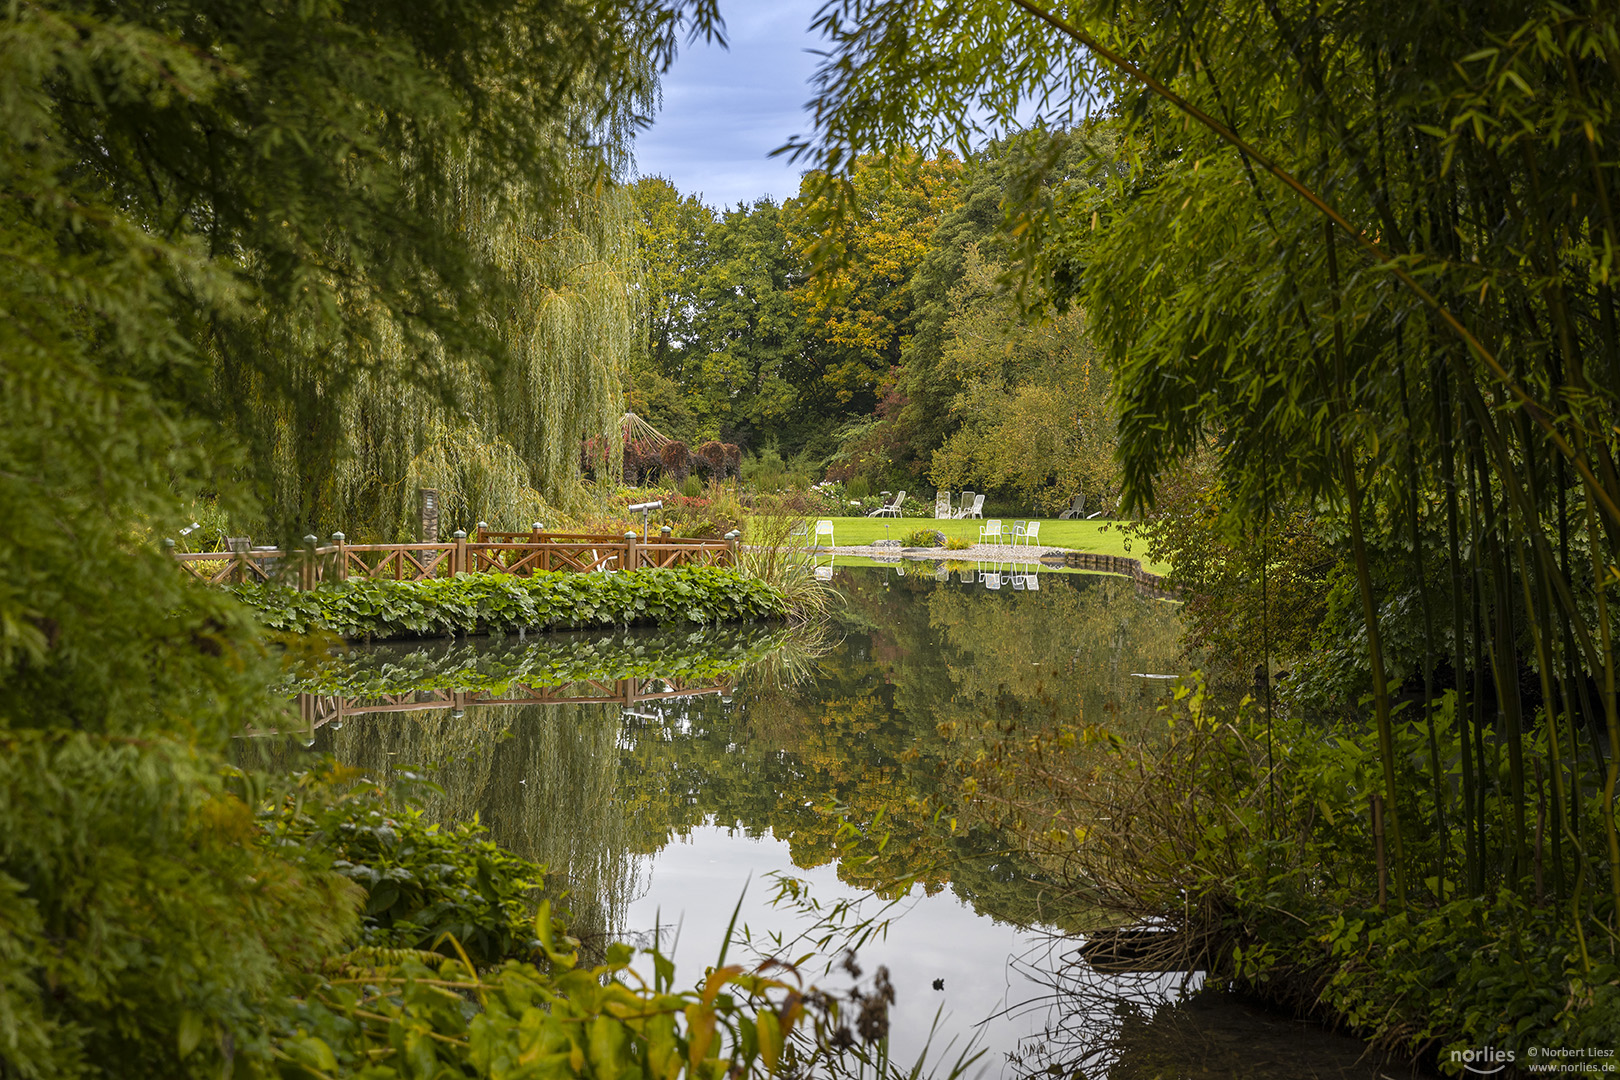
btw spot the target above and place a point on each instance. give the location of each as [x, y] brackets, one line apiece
[958, 543]
[858, 488]
[1031, 406]
[692, 487]
[923, 538]
[1254, 839]
[144, 931]
[502, 603]
[1254, 593]
[424, 885]
[409, 1020]
[1369, 251]
[507, 990]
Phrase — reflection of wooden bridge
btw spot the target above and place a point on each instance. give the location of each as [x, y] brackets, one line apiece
[490, 553]
[317, 710]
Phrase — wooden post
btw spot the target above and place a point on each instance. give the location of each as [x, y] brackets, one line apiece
[632, 554]
[239, 546]
[731, 548]
[428, 505]
[341, 567]
[458, 561]
[1377, 803]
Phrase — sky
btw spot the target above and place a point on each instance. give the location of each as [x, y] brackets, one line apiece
[725, 110]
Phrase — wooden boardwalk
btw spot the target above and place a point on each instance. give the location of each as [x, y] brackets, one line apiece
[521, 554]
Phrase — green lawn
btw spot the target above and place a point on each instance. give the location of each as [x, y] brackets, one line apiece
[1095, 536]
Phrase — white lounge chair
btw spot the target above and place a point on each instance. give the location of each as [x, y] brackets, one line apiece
[824, 528]
[942, 506]
[974, 511]
[892, 508]
[967, 504]
[990, 532]
[1077, 506]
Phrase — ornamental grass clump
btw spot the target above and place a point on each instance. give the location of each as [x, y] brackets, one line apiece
[773, 552]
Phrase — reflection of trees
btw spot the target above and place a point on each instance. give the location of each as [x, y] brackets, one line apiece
[925, 678]
[544, 779]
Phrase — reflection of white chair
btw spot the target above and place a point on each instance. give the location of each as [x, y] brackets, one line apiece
[824, 528]
[991, 578]
[1032, 580]
[990, 532]
[974, 511]
[823, 573]
[942, 572]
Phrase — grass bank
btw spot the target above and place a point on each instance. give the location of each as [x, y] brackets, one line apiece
[502, 603]
[1102, 537]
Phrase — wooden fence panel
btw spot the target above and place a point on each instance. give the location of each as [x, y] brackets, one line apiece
[572, 553]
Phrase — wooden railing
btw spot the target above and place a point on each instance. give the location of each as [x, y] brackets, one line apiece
[491, 553]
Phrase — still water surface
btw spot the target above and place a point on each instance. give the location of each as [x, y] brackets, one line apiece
[727, 762]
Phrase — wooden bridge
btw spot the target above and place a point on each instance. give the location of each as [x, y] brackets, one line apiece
[318, 710]
[490, 553]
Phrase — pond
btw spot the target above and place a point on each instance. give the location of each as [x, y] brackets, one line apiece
[675, 781]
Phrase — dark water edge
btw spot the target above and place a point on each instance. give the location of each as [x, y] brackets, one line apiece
[655, 813]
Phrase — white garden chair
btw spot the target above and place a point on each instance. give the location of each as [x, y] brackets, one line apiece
[990, 532]
[892, 509]
[974, 511]
[1029, 532]
[824, 528]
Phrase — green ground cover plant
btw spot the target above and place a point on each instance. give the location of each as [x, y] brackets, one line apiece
[501, 603]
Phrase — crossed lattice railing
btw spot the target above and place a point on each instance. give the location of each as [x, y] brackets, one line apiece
[491, 553]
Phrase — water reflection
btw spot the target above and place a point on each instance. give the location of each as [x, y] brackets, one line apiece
[656, 806]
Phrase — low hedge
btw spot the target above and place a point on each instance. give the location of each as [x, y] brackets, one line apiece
[500, 603]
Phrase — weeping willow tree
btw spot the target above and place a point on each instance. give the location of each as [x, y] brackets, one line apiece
[499, 441]
[503, 444]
